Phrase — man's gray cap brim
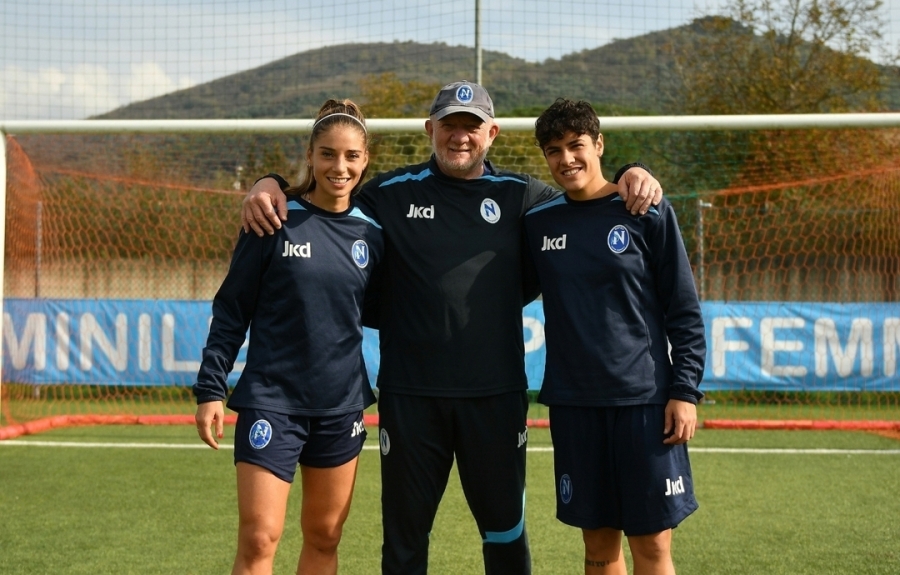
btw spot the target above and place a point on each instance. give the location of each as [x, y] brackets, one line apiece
[467, 109]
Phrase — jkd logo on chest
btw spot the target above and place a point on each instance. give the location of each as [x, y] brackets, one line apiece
[297, 250]
[421, 212]
[674, 487]
[554, 243]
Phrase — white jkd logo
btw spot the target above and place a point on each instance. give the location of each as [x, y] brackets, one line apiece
[420, 212]
[554, 243]
[674, 487]
[358, 428]
[523, 438]
[297, 250]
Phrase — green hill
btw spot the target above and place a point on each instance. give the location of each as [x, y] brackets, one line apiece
[634, 75]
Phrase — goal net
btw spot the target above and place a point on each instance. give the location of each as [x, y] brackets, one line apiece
[117, 239]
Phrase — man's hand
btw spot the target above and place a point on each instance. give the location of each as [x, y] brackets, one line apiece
[639, 189]
[681, 422]
[264, 208]
[208, 414]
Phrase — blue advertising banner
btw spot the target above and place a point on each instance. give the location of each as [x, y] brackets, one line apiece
[798, 346]
[759, 346]
[115, 342]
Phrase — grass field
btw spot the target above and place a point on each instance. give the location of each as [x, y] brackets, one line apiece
[151, 505]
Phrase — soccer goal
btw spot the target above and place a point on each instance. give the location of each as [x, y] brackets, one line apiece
[118, 233]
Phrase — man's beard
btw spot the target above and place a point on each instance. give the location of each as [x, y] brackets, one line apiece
[458, 165]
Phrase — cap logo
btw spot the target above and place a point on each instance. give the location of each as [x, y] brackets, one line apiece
[465, 94]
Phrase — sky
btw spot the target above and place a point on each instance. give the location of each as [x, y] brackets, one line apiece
[69, 60]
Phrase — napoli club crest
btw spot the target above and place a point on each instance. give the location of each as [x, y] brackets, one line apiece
[465, 94]
[618, 239]
[384, 441]
[260, 434]
[360, 253]
[565, 489]
[490, 211]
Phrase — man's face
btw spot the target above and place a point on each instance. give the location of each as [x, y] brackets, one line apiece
[574, 162]
[461, 142]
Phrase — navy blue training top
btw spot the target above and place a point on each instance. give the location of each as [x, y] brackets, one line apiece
[450, 306]
[300, 292]
[617, 290]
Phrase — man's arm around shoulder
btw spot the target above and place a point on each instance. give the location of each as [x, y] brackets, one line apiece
[638, 187]
[265, 205]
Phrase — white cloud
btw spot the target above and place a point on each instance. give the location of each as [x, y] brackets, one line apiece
[84, 90]
[51, 78]
[51, 93]
[89, 90]
[149, 80]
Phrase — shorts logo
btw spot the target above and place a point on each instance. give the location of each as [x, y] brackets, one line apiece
[674, 487]
[523, 438]
[565, 489]
[464, 94]
[490, 211]
[384, 441]
[359, 427]
[618, 239]
[260, 434]
[360, 253]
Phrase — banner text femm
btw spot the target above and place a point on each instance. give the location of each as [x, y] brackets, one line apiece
[758, 345]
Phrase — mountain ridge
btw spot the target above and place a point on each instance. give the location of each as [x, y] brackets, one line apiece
[626, 77]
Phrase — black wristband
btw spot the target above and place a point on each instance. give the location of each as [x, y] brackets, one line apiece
[282, 183]
[627, 167]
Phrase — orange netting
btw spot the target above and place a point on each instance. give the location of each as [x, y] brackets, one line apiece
[775, 216]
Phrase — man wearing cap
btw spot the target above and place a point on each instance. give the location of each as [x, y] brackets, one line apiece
[452, 380]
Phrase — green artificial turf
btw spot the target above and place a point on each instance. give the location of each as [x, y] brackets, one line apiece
[163, 510]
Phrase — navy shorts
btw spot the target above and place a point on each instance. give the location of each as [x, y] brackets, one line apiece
[280, 442]
[613, 470]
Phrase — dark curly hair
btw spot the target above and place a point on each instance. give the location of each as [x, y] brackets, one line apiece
[566, 116]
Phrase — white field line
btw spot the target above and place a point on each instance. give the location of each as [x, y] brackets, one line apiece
[37, 443]
[135, 445]
[796, 451]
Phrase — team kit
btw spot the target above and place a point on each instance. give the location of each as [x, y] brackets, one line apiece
[441, 257]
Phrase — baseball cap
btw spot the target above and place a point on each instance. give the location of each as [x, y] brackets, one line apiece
[462, 97]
